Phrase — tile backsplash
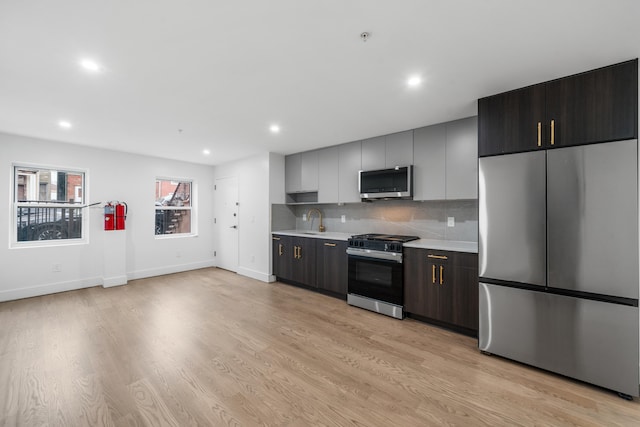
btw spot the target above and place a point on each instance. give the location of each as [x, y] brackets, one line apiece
[427, 220]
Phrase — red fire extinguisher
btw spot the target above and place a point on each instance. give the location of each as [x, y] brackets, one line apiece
[115, 214]
[109, 217]
[121, 215]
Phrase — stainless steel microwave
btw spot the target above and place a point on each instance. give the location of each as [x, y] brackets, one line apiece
[393, 183]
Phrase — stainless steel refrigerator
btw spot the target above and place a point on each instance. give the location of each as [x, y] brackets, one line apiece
[558, 261]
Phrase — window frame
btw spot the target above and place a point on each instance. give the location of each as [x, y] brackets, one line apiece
[15, 205]
[192, 207]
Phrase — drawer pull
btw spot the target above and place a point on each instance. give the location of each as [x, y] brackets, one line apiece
[275, 238]
[330, 244]
[437, 256]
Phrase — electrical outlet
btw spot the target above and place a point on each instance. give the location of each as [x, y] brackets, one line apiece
[451, 221]
[343, 218]
[56, 268]
[304, 217]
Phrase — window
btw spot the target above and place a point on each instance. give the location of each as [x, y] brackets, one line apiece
[48, 204]
[173, 207]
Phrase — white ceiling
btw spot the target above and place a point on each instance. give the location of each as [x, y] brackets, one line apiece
[224, 71]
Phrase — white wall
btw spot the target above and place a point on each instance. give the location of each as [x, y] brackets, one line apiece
[260, 178]
[111, 175]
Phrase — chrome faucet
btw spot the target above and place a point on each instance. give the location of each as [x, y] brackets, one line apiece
[321, 227]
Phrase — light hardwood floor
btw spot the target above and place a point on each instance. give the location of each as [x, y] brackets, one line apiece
[211, 348]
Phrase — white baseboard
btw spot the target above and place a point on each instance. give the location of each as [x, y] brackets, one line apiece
[49, 288]
[258, 275]
[108, 282]
[152, 272]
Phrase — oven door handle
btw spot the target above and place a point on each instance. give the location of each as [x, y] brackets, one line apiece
[366, 254]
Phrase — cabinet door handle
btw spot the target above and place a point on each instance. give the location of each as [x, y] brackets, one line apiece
[299, 252]
[441, 273]
[330, 244]
[280, 249]
[553, 132]
[295, 252]
[539, 134]
[437, 256]
[433, 274]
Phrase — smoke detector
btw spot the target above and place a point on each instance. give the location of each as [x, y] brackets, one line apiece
[365, 36]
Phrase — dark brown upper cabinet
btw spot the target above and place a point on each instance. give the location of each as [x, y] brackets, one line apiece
[595, 106]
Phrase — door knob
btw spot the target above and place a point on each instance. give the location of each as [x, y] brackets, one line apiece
[234, 226]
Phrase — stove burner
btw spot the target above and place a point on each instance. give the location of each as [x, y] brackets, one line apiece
[385, 237]
[380, 242]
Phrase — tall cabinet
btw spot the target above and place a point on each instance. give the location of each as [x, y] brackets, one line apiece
[595, 106]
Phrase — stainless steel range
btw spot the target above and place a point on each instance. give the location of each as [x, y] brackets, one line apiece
[376, 280]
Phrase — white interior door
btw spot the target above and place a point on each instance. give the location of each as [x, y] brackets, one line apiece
[226, 222]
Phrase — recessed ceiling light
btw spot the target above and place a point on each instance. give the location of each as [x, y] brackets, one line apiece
[274, 128]
[206, 152]
[64, 124]
[414, 81]
[90, 65]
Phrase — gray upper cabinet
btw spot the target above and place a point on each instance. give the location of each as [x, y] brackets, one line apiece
[293, 173]
[309, 171]
[429, 152]
[444, 156]
[328, 175]
[445, 161]
[399, 149]
[301, 172]
[462, 159]
[373, 153]
[388, 151]
[350, 156]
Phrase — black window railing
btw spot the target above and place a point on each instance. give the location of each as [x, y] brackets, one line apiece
[173, 221]
[49, 223]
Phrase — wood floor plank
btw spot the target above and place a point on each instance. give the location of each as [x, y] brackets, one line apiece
[209, 347]
[151, 407]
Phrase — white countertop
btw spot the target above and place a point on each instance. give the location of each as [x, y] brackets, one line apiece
[329, 235]
[444, 245]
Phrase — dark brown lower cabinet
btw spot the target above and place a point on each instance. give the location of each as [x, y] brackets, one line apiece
[331, 267]
[282, 254]
[294, 259]
[311, 262]
[442, 286]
